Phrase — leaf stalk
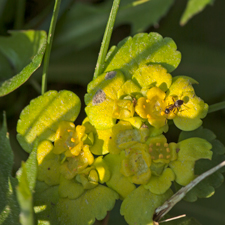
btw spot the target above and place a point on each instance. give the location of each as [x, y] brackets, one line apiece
[216, 107]
[106, 39]
[49, 45]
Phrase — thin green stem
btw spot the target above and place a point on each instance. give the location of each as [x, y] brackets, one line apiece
[106, 38]
[49, 45]
[216, 107]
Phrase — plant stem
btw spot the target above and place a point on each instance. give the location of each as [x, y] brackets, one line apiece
[106, 38]
[49, 45]
[216, 107]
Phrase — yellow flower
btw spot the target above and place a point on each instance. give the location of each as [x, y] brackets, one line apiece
[152, 107]
[69, 140]
[137, 164]
[183, 106]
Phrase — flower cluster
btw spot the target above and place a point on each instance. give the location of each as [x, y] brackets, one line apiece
[151, 97]
[70, 159]
[121, 149]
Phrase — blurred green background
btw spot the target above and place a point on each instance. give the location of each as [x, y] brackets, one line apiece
[79, 31]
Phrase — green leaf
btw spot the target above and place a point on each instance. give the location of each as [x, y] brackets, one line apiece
[31, 168]
[194, 7]
[24, 50]
[27, 175]
[9, 208]
[40, 119]
[117, 181]
[24, 197]
[84, 24]
[93, 204]
[206, 188]
[139, 206]
[45, 200]
[142, 49]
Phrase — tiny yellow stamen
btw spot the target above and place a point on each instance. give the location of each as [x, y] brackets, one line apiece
[68, 130]
[72, 139]
[166, 145]
[144, 106]
[157, 144]
[160, 156]
[147, 100]
[168, 156]
[148, 116]
[168, 150]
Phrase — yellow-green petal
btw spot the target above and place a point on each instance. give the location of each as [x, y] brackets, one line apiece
[63, 135]
[102, 169]
[124, 108]
[98, 140]
[180, 86]
[118, 137]
[128, 88]
[160, 184]
[152, 107]
[137, 163]
[153, 76]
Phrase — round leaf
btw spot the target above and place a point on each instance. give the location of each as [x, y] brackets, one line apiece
[40, 119]
[93, 204]
[142, 49]
[139, 206]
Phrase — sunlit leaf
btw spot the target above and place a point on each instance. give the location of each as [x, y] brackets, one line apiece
[40, 119]
[194, 7]
[9, 208]
[24, 51]
[132, 53]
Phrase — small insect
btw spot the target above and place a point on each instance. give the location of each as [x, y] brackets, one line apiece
[177, 104]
